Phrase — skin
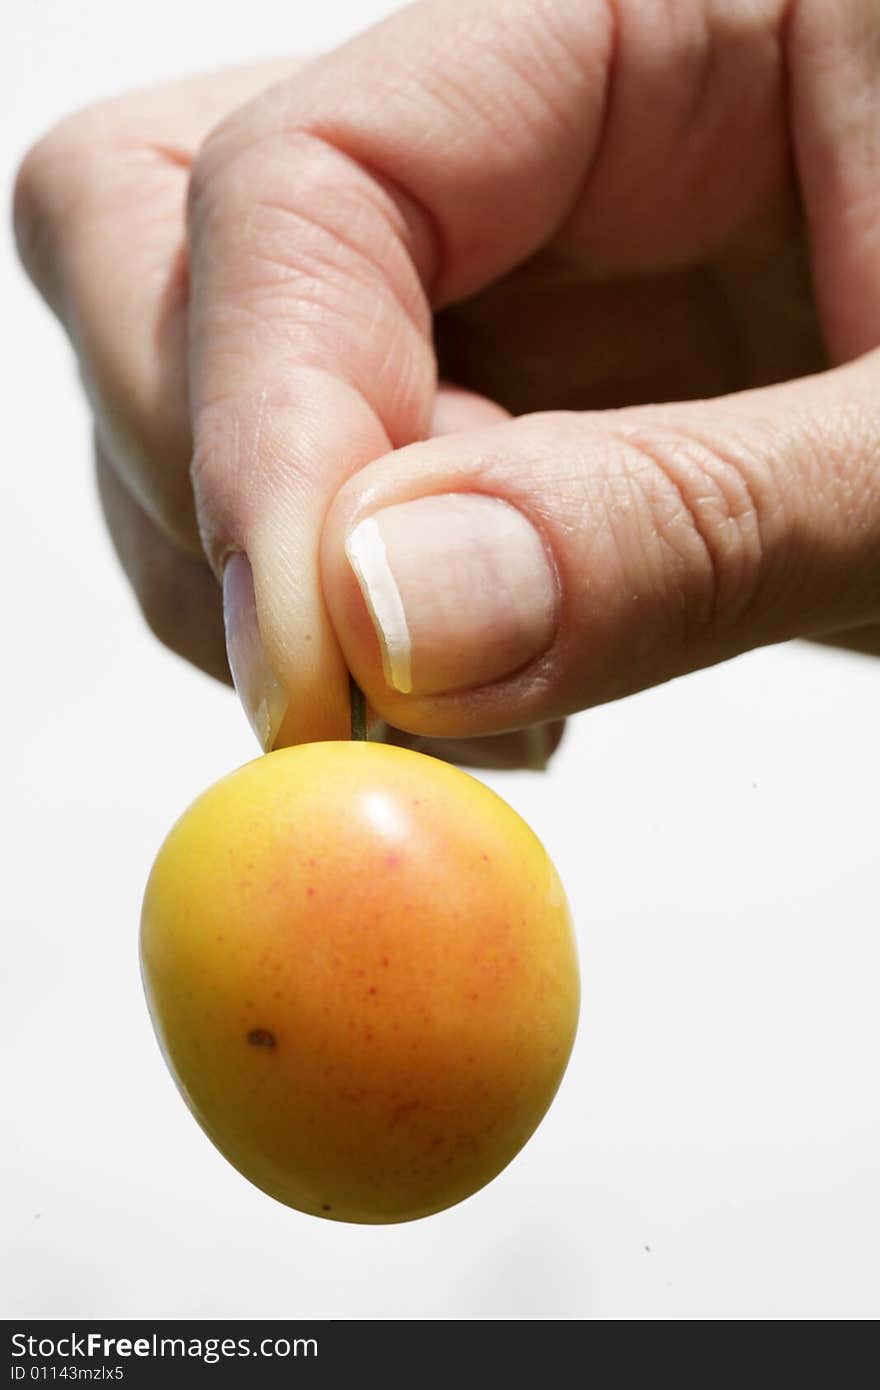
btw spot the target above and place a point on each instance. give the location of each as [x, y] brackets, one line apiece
[361, 969]
[648, 231]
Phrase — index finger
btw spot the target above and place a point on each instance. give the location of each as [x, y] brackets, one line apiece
[326, 222]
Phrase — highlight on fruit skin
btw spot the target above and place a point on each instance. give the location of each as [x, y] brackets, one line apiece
[361, 969]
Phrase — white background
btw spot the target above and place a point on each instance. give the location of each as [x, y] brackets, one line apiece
[714, 1150]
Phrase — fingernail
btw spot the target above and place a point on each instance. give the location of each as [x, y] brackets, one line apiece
[460, 589]
[259, 689]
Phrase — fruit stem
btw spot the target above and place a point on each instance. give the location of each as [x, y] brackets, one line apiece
[358, 710]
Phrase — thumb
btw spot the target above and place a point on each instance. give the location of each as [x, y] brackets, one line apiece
[483, 581]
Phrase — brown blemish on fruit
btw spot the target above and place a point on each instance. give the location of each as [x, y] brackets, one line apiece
[262, 1037]
[325, 1206]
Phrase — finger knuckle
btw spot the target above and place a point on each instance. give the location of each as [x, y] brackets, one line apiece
[57, 163]
[709, 500]
[64, 173]
[33, 198]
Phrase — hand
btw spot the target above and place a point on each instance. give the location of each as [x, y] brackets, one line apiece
[574, 210]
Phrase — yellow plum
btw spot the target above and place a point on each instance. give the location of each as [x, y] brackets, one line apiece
[360, 965]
